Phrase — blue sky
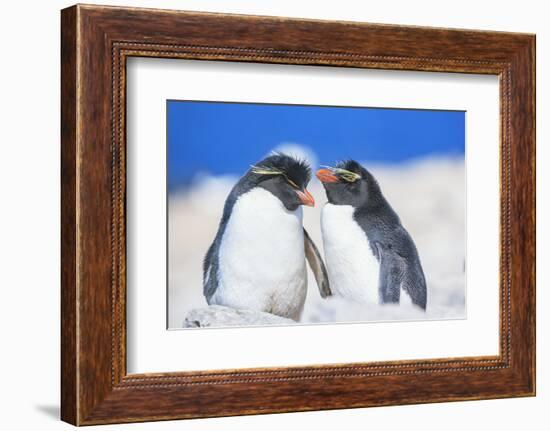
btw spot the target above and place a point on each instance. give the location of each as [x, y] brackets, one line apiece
[226, 138]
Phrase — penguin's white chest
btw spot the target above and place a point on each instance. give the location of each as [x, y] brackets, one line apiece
[261, 257]
[353, 269]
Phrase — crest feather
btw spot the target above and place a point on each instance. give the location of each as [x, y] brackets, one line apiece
[296, 171]
[348, 176]
[266, 170]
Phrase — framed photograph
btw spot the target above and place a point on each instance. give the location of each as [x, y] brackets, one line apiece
[265, 215]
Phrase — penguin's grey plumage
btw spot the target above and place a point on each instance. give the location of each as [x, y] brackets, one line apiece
[257, 259]
[370, 256]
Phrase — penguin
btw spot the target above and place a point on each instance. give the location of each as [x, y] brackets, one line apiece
[370, 256]
[258, 257]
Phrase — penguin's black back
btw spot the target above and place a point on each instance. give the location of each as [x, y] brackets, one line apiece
[390, 242]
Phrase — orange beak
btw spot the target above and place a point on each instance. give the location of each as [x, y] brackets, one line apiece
[326, 176]
[306, 197]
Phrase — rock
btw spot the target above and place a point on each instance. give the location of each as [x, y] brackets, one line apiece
[219, 316]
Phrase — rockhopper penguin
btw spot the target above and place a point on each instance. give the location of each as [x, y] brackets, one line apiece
[258, 258]
[370, 256]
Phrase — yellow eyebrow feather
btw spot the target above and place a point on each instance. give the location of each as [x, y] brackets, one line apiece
[264, 170]
[348, 176]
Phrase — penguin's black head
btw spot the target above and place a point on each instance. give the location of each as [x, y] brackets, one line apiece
[284, 176]
[349, 183]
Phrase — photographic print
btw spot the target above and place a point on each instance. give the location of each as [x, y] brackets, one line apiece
[294, 214]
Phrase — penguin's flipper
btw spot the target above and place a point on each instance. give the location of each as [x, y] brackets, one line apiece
[392, 270]
[210, 271]
[414, 283]
[317, 266]
[397, 274]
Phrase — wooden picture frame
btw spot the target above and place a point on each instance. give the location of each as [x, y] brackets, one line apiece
[95, 43]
